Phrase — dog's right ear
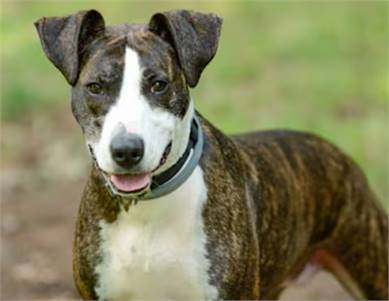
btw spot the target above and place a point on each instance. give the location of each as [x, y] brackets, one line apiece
[63, 38]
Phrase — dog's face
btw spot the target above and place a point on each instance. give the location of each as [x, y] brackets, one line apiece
[132, 101]
[130, 86]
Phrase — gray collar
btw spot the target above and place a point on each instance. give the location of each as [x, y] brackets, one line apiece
[169, 180]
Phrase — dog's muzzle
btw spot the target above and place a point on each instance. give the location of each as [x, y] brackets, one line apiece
[172, 178]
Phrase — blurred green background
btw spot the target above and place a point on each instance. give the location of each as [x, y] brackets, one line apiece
[320, 66]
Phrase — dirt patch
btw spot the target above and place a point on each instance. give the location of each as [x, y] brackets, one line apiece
[37, 230]
[44, 167]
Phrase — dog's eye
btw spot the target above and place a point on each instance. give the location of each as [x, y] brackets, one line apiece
[158, 87]
[95, 88]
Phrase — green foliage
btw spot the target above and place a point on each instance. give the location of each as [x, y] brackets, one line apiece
[317, 66]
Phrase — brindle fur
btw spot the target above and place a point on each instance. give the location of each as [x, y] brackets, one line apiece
[274, 197]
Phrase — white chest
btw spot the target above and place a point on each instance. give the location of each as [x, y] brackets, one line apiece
[156, 250]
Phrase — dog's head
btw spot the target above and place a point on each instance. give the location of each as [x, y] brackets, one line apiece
[130, 86]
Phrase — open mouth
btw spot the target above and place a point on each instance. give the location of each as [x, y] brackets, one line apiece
[128, 184]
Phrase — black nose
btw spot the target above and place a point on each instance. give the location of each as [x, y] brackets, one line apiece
[127, 149]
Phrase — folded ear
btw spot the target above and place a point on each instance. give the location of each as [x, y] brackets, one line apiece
[193, 35]
[63, 38]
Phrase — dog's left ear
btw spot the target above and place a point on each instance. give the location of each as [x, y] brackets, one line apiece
[193, 35]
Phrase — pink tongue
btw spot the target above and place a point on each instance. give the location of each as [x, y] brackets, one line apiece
[129, 183]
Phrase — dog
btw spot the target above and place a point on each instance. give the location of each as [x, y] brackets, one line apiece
[175, 209]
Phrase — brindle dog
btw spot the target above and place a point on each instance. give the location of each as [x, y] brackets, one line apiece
[254, 212]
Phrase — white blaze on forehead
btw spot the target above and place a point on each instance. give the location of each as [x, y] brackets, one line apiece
[131, 104]
[156, 126]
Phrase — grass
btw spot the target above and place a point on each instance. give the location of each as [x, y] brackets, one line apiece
[317, 66]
